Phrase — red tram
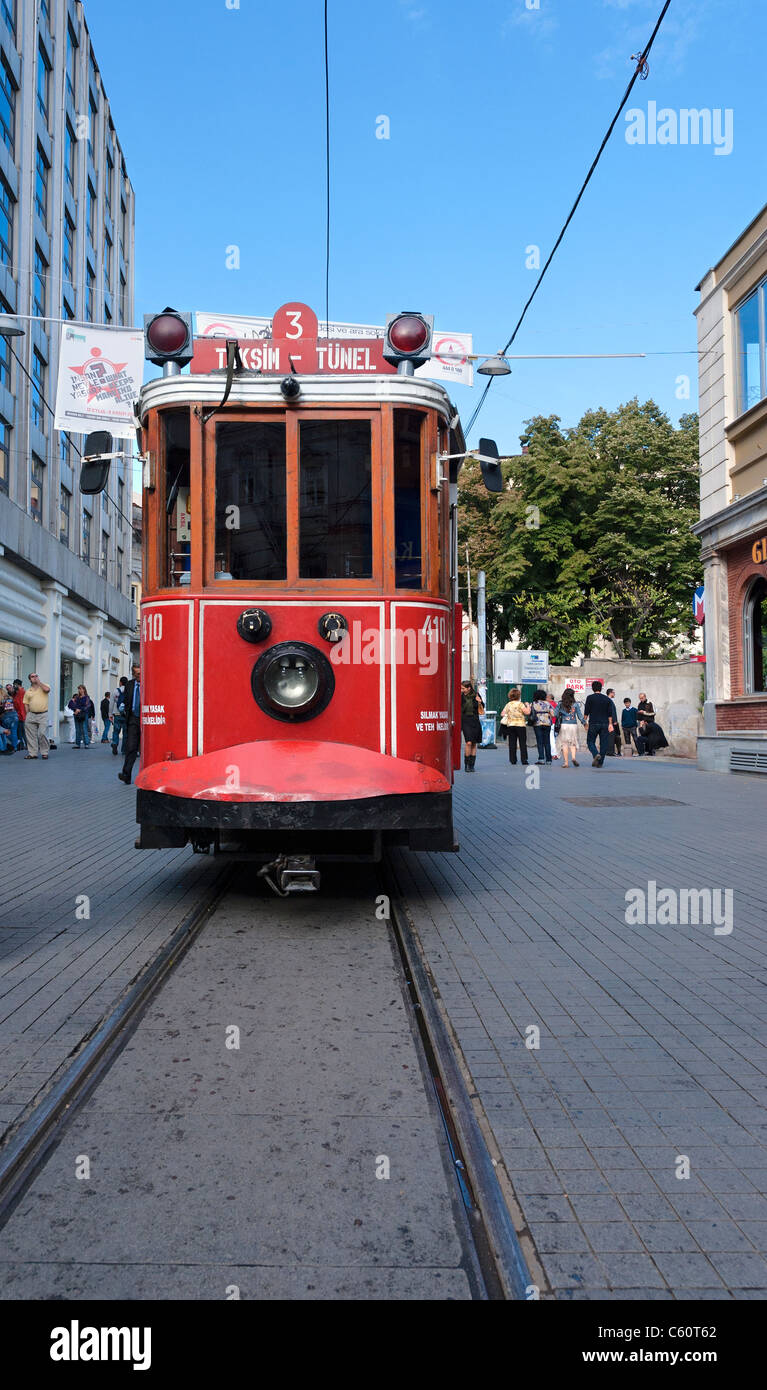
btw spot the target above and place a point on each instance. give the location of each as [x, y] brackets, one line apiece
[300, 636]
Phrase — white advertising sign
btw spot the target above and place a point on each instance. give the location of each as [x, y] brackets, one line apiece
[576, 685]
[507, 666]
[450, 351]
[535, 666]
[100, 376]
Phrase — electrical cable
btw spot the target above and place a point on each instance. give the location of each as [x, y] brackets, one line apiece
[641, 66]
[327, 180]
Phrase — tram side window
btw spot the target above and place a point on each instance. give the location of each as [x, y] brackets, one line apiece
[408, 430]
[336, 518]
[251, 515]
[177, 515]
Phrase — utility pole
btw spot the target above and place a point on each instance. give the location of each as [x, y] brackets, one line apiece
[481, 631]
[471, 634]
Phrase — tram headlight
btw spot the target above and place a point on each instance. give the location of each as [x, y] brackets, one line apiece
[292, 681]
[408, 339]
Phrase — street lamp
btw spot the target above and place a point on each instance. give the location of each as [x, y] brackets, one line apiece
[495, 366]
[9, 328]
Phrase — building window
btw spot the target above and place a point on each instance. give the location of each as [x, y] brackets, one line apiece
[41, 187]
[107, 260]
[40, 281]
[5, 456]
[93, 116]
[109, 181]
[8, 10]
[70, 148]
[91, 213]
[104, 554]
[65, 448]
[120, 503]
[65, 513]
[755, 638]
[37, 489]
[45, 11]
[121, 301]
[90, 286]
[93, 72]
[71, 65]
[86, 539]
[43, 82]
[7, 107]
[38, 390]
[68, 257]
[67, 312]
[6, 224]
[120, 556]
[5, 353]
[750, 329]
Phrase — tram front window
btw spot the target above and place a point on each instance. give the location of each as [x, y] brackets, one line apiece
[177, 515]
[408, 426]
[251, 516]
[336, 520]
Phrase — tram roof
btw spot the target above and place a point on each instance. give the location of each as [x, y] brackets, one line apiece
[251, 388]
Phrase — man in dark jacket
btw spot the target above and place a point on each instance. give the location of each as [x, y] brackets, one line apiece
[601, 718]
[132, 735]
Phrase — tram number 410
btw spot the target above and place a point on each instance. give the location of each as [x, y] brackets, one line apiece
[435, 628]
[151, 627]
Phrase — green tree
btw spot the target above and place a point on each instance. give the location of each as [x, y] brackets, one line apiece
[592, 534]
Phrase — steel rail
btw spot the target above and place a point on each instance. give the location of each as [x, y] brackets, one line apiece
[499, 1252]
[24, 1153]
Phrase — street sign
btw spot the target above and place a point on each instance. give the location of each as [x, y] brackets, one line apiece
[535, 666]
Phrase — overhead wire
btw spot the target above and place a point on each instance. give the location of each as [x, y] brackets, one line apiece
[327, 178]
[639, 72]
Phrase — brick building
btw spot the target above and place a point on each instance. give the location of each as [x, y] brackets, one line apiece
[732, 342]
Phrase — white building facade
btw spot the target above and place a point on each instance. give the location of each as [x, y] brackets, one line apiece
[66, 252]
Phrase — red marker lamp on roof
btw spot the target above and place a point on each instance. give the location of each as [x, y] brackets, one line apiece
[168, 340]
[407, 342]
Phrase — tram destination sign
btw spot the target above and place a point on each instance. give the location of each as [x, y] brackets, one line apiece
[293, 342]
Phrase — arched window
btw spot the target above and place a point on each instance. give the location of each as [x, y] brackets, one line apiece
[755, 638]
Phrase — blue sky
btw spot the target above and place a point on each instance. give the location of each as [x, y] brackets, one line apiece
[496, 112]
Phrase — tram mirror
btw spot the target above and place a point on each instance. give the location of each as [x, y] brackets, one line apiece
[94, 472]
[489, 462]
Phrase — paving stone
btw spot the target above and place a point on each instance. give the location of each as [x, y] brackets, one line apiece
[741, 1270]
[687, 1270]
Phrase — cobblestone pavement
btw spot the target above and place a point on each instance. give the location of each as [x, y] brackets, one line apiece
[652, 1037]
[68, 835]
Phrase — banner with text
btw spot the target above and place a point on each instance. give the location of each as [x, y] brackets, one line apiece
[100, 376]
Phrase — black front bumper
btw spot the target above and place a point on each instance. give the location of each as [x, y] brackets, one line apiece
[419, 820]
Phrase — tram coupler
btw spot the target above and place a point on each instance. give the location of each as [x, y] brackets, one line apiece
[291, 873]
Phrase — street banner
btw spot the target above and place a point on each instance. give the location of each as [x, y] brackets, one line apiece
[450, 359]
[321, 351]
[100, 376]
[699, 605]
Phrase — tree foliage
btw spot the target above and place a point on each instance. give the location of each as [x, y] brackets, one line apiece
[592, 533]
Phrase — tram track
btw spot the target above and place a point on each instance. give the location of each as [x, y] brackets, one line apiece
[492, 1262]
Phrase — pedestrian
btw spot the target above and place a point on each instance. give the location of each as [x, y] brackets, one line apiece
[132, 735]
[10, 718]
[542, 722]
[646, 715]
[81, 706]
[601, 717]
[614, 739]
[36, 701]
[105, 703]
[471, 708]
[629, 721]
[18, 700]
[568, 715]
[117, 712]
[553, 733]
[514, 719]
